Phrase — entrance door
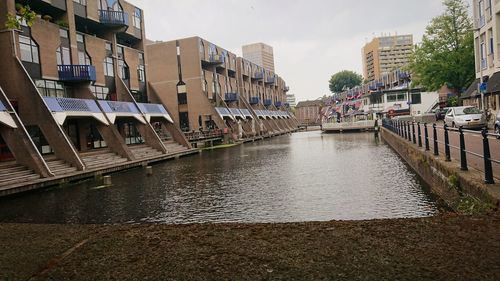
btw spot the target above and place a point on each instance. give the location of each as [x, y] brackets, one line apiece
[71, 128]
[184, 121]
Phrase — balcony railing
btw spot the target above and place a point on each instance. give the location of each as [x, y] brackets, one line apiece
[270, 80]
[278, 104]
[76, 73]
[216, 59]
[231, 97]
[258, 75]
[268, 102]
[110, 17]
[254, 100]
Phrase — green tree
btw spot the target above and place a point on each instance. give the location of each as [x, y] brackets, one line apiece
[446, 53]
[344, 79]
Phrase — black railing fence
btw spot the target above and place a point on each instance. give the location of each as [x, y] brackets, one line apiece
[407, 130]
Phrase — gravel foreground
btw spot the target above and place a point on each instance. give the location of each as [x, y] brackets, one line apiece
[446, 247]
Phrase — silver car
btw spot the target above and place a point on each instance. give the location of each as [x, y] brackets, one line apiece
[468, 117]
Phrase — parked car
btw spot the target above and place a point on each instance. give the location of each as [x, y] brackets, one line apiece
[468, 117]
[440, 113]
[497, 125]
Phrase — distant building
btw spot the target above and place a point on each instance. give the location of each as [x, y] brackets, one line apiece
[260, 54]
[307, 112]
[386, 54]
[290, 99]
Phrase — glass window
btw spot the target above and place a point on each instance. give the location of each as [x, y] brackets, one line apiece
[79, 38]
[109, 47]
[63, 56]
[416, 98]
[63, 33]
[109, 67]
[81, 2]
[141, 73]
[99, 92]
[83, 58]
[137, 18]
[50, 88]
[29, 49]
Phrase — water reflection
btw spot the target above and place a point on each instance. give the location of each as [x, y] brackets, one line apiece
[303, 177]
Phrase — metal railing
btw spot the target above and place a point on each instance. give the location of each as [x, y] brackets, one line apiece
[230, 97]
[113, 17]
[204, 135]
[76, 72]
[254, 100]
[412, 132]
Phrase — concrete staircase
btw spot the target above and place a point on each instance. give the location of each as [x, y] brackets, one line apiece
[12, 173]
[174, 147]
[101, 158]
[57, 166]
[143, 151]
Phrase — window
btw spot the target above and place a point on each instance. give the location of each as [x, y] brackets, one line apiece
[83, 58]
[137, 18]
[29, 49]
[109, 47]
[101, 93]
[416, 98]
[108, 67]
[182, 98]
[81, 2]
[63, 56]
[50, 88]
[396, 97]
[141, 73]
[63, 33]
[79, 38]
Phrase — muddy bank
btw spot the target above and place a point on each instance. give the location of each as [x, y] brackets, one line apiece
[446, 247]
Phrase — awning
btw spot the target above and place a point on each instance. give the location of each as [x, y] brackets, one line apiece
[5, 117]
[115, 109]
[236, 113]
[224, 112]
[471, 91]
[494, 83]
[62, 108]
[154, 110]
[246, 113]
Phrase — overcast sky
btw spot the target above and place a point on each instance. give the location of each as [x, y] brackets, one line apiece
[312, 39]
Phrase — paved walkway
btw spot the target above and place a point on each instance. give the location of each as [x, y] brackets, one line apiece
[447, 247]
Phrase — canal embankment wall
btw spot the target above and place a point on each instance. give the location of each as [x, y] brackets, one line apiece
[445, 179]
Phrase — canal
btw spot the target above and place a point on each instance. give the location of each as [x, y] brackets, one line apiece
[302, 177]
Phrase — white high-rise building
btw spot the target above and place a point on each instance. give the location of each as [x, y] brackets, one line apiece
[260, 54]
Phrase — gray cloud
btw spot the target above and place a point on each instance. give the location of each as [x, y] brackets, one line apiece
[312, 39]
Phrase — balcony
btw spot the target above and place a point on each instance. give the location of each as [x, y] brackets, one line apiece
[62, 108]
[115, 109]
[254, 100]
[270, 80]
[231, 97]
[258, 75]
[113, 18]
[76, 73]
[215, 59]
[278, 104]
[154, 110]
[268, 102]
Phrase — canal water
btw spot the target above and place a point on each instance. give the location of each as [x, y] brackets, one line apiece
[301, 177]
